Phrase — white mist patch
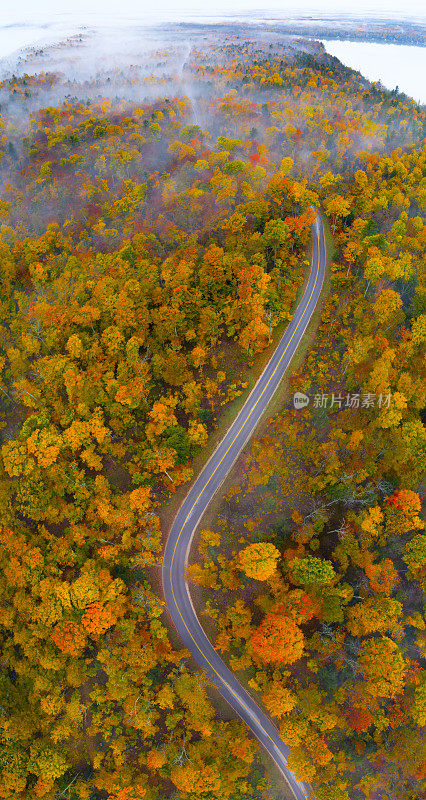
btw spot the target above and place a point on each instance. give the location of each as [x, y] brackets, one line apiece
[14, 37]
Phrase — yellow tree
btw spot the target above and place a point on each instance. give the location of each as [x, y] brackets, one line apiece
[383, 667]
[259, 560]
[337, 206]
[278, 700]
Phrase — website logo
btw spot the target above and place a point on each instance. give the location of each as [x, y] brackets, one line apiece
[300, 400]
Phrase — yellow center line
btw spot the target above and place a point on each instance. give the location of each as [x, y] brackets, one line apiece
[203, 489]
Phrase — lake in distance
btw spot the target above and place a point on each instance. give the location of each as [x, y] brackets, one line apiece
[392, 64]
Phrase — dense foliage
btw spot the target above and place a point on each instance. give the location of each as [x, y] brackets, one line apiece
[148, 252]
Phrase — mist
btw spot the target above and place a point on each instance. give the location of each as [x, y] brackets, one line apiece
[205, 73]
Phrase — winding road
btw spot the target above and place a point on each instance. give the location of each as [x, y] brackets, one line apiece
[176, 590]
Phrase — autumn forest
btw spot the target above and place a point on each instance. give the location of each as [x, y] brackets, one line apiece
[155, 238]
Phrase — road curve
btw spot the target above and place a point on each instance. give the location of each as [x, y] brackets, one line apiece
[176, 590]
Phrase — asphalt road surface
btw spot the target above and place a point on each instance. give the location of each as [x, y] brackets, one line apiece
[176, 590]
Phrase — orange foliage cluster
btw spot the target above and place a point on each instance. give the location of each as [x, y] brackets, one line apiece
[278, 638]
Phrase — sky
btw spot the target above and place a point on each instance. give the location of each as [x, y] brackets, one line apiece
[45, 10]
